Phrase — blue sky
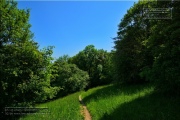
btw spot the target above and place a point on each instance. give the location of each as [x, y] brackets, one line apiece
[72, 25]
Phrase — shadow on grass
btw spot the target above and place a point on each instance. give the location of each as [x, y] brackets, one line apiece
[113, 90]
[154, 106]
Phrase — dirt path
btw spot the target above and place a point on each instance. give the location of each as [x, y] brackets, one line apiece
[85, 111]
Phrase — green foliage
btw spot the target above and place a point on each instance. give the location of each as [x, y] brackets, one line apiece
[63, 59]
[69, 77]
[14, 24]
[164, 45]
[130, 50]
[146, 52]
[97, 63]
[143, 52]
[25, 71]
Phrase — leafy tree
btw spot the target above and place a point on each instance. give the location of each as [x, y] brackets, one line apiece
[25, 71]
[96, 63]
[145, 51]
[164, 44]
[68, 77]
[63, 59]
[130, 45]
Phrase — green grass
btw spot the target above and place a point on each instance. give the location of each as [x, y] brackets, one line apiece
[136, 102]
[67, 108]
[113, 102]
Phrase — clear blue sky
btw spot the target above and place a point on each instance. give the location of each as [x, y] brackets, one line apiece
[70, 26]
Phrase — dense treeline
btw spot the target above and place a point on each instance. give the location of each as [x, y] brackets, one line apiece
[87, 69]
[148, 49]
[98, 64]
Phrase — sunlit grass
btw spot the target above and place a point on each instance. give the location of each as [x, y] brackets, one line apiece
[136, 102]
[113, 102]
[67, 108]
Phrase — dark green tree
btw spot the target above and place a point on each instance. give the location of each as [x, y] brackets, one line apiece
[96, 63]
[164, 44]
[25, 71]
[130, 45]
[148, 49]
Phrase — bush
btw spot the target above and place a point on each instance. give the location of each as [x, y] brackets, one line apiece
[70, 78]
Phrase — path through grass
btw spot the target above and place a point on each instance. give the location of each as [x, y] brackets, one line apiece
[113, 102]
[67, 108]
[136, 102]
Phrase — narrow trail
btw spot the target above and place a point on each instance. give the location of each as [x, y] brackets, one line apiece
[85, 111]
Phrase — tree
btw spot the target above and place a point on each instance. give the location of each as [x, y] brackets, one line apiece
[63, 59]
[25, 71]
[164, 44]
[144, 50]
[130, 45]
[96, 63]
[68, 77]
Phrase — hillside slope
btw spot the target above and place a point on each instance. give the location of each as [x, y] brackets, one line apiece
[135, 102]
[66, 108]
[113, 102]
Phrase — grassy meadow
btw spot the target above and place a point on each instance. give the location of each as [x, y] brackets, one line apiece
[66, 108]
[136, 102]
[113, 102]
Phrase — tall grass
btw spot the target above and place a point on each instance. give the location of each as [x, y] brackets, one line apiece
[136, 102]
[113, 102]
[67, 108]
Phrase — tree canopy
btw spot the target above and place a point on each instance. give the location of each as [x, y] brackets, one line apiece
[25, 71]
[146, 52]
[97, 63]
